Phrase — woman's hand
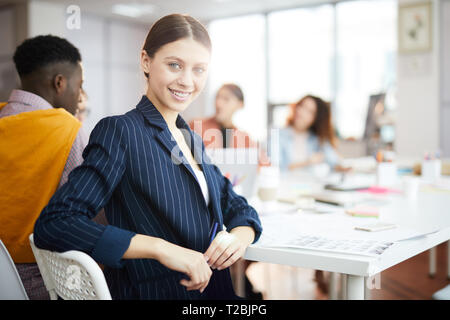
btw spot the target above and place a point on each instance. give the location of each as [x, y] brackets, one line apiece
[227, 248]
[190, 262]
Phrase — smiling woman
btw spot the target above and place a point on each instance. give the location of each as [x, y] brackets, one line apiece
[177, 74]
[158, 244]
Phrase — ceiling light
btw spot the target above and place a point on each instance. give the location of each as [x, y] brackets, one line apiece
[133, 10]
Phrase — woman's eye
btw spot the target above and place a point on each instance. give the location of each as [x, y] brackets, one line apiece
[175, 65]
[199, 70]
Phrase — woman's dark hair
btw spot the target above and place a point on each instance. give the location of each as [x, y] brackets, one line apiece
[40, 51]
[234, 89]
[174, 27]
[322, 126]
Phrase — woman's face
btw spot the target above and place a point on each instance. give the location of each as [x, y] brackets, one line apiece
[305, 114]
[177, 73]
[226, 105]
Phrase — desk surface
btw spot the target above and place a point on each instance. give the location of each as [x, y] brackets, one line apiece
[429, 211]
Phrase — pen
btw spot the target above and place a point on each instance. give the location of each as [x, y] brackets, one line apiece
[213, 232]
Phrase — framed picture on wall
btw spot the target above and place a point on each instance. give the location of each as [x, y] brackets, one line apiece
[414, 27]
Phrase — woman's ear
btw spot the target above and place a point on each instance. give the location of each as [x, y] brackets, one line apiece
[145, 62]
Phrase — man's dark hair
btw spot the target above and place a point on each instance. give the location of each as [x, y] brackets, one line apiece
[40, 51]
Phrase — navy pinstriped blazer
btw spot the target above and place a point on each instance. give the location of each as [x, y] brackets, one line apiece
[133, 168]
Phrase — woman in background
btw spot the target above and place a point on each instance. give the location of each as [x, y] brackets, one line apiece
[308, 140]
[309, 137]
[219, 130]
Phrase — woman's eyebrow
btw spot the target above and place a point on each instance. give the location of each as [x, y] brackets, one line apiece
[204, 64]
[173, 58]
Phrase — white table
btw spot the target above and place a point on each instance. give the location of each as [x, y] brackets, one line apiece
[429, 211]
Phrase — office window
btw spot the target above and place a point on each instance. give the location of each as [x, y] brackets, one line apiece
[366, 60]
[342, 52]
[238, 56]
[301, 53]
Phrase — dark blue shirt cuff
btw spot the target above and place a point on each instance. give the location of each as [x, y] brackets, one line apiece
[111, 246]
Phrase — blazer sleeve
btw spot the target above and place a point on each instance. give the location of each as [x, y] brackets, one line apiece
[65, 223]
[235, 209]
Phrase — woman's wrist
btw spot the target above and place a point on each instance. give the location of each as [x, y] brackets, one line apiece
[145, 247]
[245, 234]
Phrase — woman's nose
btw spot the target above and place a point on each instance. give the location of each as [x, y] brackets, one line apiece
[186, 79]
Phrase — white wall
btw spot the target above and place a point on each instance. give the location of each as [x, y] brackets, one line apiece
[8, 75]
[110, 51]
[89, 39]
[46, 18]
[418, 124]
[445, 78]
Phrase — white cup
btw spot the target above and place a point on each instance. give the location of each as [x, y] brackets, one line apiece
[431, 170]
[268, 183]
[411, 187]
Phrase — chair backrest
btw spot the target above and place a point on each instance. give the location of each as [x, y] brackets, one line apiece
[71, 275]
[11, 287]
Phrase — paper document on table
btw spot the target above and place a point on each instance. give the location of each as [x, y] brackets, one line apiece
[334, 232]
[372, 248]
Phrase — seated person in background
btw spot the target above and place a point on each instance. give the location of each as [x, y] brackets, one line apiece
[40, 143]
[309, 137]
[219, 130]
[83, 110]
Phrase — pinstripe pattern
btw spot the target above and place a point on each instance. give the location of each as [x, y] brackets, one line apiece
[129, 170]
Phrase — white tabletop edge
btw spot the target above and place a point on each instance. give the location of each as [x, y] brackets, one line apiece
[347, 263]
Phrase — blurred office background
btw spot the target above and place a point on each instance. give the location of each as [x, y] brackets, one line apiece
[276, 50]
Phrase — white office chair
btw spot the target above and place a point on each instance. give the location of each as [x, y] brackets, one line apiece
[11, 287]
[71, 275]
[443, 294]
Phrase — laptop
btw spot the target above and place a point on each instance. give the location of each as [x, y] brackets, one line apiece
[239, 165]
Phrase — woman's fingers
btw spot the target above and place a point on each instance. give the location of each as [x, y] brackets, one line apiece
[222, 241]
[190, 262]
[226, 254]
[213, 246]
[231, 260]
[224, 246]
[197, 280]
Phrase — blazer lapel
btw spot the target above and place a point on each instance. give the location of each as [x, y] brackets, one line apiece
[168, 142]
[154, 117]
